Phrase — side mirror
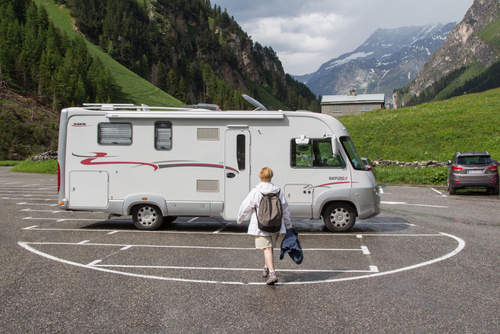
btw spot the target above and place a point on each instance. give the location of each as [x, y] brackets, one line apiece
[334, 147]
[302, 140]
[447, 163]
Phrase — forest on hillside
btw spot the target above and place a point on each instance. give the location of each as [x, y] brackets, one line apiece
[189, 49]
[36, 58]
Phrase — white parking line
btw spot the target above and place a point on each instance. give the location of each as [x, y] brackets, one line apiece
[440, 193]
[223, 227]
[395, 223]
[33, 199]
[58, 219]
[373, 269]
[126, 246]
[51, 211]
[37, 228]
[405, 203]
[45, 204]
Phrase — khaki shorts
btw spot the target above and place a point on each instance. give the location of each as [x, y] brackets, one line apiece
[262, 241]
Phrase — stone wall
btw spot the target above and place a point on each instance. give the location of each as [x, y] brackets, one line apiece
[49, 155]
[428, 163]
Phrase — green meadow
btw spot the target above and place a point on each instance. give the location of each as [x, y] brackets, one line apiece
[432, 131]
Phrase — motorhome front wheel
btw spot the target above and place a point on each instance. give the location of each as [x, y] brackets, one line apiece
[339, 217]
[147, 217]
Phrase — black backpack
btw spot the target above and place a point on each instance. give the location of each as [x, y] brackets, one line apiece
[270, 213]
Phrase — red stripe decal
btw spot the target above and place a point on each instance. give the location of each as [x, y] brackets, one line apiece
[90, 161]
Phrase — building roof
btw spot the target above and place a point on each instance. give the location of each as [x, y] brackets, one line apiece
[347, 99]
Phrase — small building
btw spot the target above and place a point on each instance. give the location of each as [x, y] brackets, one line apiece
[352, 104]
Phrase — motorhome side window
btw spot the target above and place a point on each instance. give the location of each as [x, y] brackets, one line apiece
[163, 135]
[115, 133]
[317, 153]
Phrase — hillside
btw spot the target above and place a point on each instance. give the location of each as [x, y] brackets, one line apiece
[189, 49]
[159, 53]
[470, 49]
[26, 126]
[431, 131]
[388, 59]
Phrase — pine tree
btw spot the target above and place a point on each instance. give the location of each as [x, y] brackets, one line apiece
[161, 77]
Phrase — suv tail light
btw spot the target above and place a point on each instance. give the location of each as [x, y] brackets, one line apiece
[493, 168]
[456, 168]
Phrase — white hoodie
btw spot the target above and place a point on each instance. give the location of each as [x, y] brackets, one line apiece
[251, 204]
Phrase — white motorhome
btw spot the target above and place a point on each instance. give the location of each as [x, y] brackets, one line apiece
[157, 164]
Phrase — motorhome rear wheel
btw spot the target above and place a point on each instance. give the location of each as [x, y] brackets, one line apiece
[147, 217]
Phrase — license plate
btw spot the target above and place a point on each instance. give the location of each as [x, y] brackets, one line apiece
[475, 171]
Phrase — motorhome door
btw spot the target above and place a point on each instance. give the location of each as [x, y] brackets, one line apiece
[236, 170]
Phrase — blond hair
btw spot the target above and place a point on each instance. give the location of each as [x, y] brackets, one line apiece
[266, 174]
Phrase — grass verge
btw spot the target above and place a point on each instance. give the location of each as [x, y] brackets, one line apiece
[42, 167]
[9, 163]
[412, 175]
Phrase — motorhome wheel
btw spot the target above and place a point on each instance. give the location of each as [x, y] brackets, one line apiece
[147, 217]
[339, 217]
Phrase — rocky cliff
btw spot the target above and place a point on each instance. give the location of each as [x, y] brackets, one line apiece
[474, 39]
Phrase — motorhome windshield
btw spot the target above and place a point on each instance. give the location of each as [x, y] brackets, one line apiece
[352, 154]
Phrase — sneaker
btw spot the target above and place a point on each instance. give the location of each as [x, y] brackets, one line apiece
[272, 278]
[265, 272]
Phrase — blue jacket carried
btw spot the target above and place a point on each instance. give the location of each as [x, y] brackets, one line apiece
[291, 245]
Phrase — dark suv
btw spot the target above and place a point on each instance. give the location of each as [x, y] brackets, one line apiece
[472, 170]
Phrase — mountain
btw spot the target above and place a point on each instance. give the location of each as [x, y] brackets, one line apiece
[388, 59]
[471, 50]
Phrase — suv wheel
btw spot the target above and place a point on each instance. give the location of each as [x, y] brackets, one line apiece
[451, 190]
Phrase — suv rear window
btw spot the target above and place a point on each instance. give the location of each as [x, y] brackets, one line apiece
[474, 160]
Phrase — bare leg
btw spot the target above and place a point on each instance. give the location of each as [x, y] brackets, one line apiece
[268, 258]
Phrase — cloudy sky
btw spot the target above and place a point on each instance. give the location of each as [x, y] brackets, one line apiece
[307, 33]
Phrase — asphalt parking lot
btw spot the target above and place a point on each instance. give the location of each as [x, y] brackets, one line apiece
[427, 263]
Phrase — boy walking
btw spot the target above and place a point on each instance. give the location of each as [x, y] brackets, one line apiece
[265, 240]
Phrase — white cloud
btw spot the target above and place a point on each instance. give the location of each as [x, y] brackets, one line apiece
[306, 34]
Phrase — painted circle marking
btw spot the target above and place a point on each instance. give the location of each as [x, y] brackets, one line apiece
[93, 265]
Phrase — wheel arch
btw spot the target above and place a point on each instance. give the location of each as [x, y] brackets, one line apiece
[333, 196]
[141, 199]
[327, 204]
